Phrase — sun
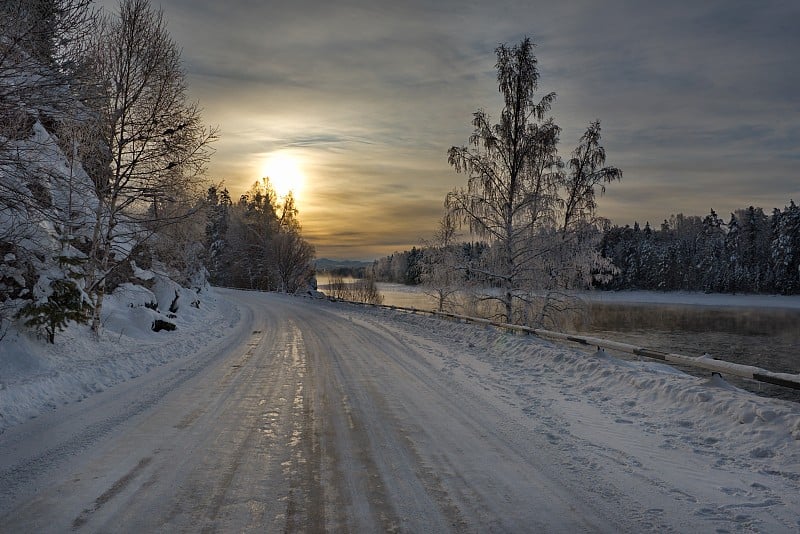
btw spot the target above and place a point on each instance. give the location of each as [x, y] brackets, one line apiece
[284, 173]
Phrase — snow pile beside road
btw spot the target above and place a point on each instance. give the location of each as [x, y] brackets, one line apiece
[612, 403]
[36, 376]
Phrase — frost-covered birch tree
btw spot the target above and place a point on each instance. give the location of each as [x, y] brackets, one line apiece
[518, 195]
[441, 274]
[513, 172]
[152, 146]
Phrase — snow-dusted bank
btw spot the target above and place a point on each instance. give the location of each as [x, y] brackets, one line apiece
[554, 373]
[36, 376]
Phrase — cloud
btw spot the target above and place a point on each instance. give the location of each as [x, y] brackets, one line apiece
[698, 100]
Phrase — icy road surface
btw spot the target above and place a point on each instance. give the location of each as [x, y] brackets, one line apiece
[317, 417]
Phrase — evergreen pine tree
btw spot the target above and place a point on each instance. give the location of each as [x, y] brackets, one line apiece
[786, 250]
[59, 299]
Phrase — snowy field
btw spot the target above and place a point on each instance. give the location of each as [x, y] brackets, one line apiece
[638, 443]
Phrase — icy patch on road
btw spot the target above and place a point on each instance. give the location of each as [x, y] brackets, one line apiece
[36, 376]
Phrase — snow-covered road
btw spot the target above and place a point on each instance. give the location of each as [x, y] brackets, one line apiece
[323, 417]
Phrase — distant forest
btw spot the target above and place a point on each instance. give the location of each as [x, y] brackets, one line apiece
[751, 252]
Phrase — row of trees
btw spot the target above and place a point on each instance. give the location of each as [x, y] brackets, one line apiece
[538, 236]
[412, 267]
[102, 160]
[400, 268]
[359, 290]
[101, 157]
[750, 253]
[256, 242]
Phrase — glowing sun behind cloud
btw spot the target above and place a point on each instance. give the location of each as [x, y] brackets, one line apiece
[284, 173]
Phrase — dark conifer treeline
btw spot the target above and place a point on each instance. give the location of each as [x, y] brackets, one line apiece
[407, 267]
[256, 243]
[750, 253]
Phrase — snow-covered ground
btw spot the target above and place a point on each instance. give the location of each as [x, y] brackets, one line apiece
[598, 397]
[471, 408]
[36, 376]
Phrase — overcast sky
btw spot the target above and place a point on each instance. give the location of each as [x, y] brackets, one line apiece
[699, 101]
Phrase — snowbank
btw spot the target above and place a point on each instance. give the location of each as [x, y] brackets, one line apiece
[602, 399]
[36, 376]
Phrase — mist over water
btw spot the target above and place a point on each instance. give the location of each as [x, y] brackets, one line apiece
[764, 337]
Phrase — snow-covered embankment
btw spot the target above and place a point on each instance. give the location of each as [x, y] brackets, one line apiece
[36, 376]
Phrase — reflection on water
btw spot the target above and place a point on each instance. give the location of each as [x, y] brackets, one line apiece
[764, 337]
